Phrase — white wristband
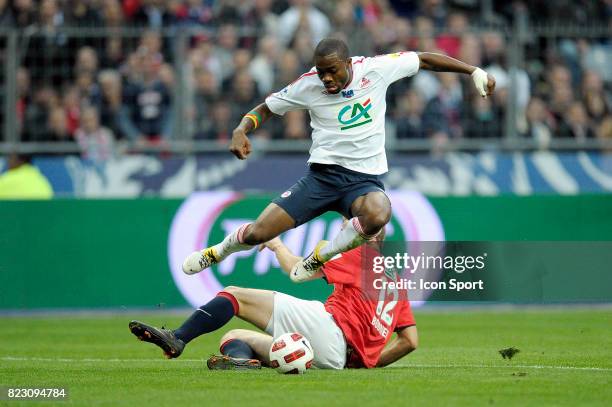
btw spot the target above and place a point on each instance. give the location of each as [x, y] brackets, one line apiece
[480, 80]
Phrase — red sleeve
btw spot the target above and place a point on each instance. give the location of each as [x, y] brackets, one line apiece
[345, 269]
[405, 317]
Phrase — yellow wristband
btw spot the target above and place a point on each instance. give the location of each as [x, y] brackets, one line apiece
[253, 119]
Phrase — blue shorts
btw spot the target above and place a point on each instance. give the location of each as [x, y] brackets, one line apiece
[326, 188]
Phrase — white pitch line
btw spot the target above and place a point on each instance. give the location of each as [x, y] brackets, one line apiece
[603, 369]
[72, 360]
[426, 366]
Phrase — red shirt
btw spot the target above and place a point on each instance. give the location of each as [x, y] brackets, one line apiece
[366, 322]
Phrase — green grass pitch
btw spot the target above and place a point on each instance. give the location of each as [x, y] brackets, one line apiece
[565, 359]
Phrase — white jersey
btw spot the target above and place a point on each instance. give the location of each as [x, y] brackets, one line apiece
[348, 128]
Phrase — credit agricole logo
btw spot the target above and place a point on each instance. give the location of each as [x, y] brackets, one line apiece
[355, 115]
[206, 218]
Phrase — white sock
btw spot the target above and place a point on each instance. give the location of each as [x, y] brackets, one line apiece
[349, 237]
[232, 243]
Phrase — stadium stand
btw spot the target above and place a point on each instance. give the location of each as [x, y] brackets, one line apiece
[153, 72]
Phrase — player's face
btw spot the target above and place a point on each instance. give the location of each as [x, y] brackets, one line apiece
[334, 72]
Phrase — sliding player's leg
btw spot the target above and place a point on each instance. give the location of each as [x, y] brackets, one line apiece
[311, 320]
[241, 349]
[252, 305]
[273, 221]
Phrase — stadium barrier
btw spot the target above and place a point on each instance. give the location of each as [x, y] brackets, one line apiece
[460, 174]
[127, 253]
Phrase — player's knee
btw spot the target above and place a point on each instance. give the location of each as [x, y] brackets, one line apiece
[375, 220]
[233, 290]
[228, 336]
[375, 213]
[256, 234]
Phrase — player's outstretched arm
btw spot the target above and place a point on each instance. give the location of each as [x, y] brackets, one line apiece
[286, 259]
[240, 145]
[485, 83]
[399, 346]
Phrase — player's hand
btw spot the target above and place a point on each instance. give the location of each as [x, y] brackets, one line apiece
[485, 83]
[240, 145]
[271, 244]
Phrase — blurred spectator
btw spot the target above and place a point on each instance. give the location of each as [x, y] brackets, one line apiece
[37, 113]
[166, 76]
[6, 14]
[57, 126]
[267, 44]
[604, 131]
[288, 70]
[493, 47]
[560, 101]
[112, 15]
[598, 58]
[202, 56]
[24, 13]
[302, 45]
[206, 93]
[409, 115]
[195, 13]
[109, 106]
[425, 35]
[151, 40]
[244, 95]
[23, 95]
[222, 126]
[369, 12]
[435, 10]
[261, 19]
[575, 123]
[482, 119]
[47, 50]
[443, 113]
[71, 102]
[358, 39]
[295, 125]
[228, 12]
[451, 43]
[89, 92]
[427, 84]
[594, 96]
[539, 123]
[112, 55]
[22, 180]
[153, 14]
[262, 67]
[241, 61]
[86, 61]
[146, 110]
[79, 13]
[470, 50]
[224, 52]
[301, 18]
[96, 142]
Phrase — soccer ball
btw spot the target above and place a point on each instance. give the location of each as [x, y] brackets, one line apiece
[291, 353]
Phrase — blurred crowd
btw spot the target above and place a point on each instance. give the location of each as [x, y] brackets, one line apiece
[121, 74]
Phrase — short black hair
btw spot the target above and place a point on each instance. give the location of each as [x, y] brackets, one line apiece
[329, 46]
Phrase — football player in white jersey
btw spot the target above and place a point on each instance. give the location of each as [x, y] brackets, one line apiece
[345, 97]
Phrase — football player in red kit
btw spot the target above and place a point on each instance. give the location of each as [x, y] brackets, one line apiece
[354, 328]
